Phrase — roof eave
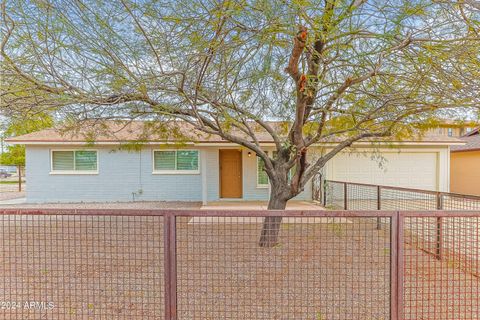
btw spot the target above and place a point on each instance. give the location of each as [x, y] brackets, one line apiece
[217, 143]
[465, 150]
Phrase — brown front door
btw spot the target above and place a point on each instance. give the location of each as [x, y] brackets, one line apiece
[230, 173]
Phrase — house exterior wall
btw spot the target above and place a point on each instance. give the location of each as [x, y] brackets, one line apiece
[122, 173]
[465, 172]
[251, 191]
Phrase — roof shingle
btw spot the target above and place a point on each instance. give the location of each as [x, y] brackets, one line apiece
[472, 142]
[174, 132]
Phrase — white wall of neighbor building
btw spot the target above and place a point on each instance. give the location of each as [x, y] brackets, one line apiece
[410, 167]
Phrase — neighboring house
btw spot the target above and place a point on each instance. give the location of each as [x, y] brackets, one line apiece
[452, 128]
[465, 165]
[73, 168]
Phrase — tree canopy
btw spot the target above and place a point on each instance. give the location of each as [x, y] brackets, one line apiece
[340, 70]
[15, 155]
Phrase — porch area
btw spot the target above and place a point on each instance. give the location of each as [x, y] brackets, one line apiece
[258, 205]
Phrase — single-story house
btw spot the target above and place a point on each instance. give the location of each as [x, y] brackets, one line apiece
[465, 165]
[115, 167]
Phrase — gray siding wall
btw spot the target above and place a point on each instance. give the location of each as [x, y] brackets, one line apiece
[122, 173]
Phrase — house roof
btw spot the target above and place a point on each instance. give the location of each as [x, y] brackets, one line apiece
[472, 140]
[174, 132]
[456, 123]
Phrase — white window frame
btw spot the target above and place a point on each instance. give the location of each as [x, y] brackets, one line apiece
[261, 186]
[175, 171]
[450, 132]
[265, 186]
[73, 172]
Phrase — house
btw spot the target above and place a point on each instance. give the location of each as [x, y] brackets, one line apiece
[177, 163]
[465, 165]
[453, 128]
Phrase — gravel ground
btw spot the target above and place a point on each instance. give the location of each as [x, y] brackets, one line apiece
[10, 191]
[11, 195]
[112, 268]
[111, 205]
[399, 203]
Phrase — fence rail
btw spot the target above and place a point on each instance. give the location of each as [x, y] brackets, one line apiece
[361, 196]
[168, 264]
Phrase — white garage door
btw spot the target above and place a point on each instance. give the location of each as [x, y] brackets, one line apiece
[409, 170]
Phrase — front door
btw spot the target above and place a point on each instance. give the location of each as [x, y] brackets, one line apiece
[230, 173]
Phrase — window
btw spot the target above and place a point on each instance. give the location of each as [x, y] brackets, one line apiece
[262, 177]
[74, 161]
[469, 129]
[175, 161]
[450, 132]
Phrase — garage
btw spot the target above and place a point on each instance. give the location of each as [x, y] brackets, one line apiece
[402, 169]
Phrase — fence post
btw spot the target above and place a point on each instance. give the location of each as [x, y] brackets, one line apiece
[324, 193]
[439, 229]
[379, 207]
[396, 266]
[170, 265]
[345, 196]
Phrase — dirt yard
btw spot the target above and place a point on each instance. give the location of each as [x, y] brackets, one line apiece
[10, 190]
[141, 205]
[11, 195]
[87, 267]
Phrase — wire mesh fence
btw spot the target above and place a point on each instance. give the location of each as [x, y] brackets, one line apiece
[81, 267]
[359, 196]
[321, 268]
[443, 285]
[208, 265]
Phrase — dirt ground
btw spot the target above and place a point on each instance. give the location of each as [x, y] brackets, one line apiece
[4, 195]
[10, 190]
[141, 205]
[112, 268]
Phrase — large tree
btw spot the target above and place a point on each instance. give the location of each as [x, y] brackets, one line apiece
[324, 70]
[16, 126]
[15, 155]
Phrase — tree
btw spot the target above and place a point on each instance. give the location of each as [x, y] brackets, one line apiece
[15, 155]
[325, 70]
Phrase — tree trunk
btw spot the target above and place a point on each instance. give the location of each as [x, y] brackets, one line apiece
[271, 225]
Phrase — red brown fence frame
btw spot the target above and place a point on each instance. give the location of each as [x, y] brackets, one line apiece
[397, 251]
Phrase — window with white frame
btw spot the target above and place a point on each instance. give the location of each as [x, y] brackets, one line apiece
[450, 132]
[175, 161]
[262, 177]
[74, 161]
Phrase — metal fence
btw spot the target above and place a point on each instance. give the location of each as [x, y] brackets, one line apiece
[126, 264]
[361, 196]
